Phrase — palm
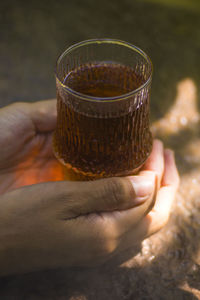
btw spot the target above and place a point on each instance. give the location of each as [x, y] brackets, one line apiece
[26, 144]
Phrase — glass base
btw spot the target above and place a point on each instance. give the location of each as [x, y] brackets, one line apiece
[73, 174]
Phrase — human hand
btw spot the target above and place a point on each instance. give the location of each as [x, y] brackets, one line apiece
[26, 155]
[51, 224]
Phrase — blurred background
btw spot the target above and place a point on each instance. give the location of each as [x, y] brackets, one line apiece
[32, 35]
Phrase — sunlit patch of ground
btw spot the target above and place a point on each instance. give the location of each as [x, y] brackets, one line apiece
[175, 251]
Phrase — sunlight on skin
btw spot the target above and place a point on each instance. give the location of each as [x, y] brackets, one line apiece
[38, 171]
[32, 160]
[193, 5]
[53, 171]
[33, 173]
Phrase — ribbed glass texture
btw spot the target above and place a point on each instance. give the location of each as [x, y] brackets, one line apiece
[103, 92]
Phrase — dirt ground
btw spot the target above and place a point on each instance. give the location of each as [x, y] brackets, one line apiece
[168, 264]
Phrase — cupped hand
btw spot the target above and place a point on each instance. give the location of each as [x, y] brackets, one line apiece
[59, 224]
[26, 155]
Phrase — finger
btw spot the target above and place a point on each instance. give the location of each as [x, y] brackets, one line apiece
[121, 222]
[159, 215]
[112, 194]
[170, 176]
[151, 223]
[155, 161]
[166, 195]
[73, 199]
[43, 115]
[111, 226]
[151, 174]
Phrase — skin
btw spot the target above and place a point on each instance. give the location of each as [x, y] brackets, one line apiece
[47, 222]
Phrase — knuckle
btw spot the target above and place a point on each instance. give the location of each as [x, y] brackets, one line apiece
[119, 191]
[106, 239]
[157, 222]
[163, 221]
[109, 247]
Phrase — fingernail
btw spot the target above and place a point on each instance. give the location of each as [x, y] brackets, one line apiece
[143, 187]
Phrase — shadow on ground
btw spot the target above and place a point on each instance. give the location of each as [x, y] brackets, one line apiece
[33, 34]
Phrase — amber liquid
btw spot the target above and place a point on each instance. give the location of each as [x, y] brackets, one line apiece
[104, 145]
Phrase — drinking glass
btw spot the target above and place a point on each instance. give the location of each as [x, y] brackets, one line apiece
[103, 92]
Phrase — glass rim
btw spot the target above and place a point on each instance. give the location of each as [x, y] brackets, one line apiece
[106, 41]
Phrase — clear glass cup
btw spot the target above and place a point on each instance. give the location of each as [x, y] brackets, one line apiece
[103, 92]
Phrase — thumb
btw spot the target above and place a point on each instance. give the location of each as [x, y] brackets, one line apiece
[72, 199]
[117, 193]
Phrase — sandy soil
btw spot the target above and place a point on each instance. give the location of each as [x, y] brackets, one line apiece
[33, 33]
